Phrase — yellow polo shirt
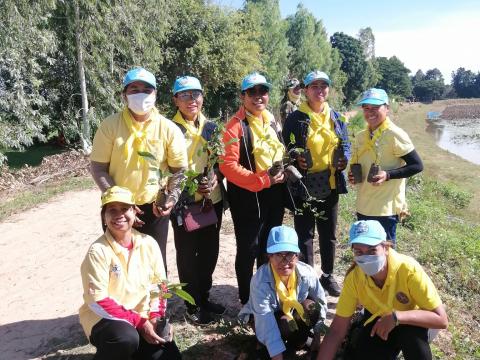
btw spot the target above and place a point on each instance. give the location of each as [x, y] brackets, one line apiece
[108, 271]
[388, 198]
[163, 139]
[412, 288]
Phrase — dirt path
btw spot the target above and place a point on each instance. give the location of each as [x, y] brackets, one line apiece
[41, 288]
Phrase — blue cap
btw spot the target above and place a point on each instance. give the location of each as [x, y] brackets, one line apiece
[374, 97]
[368, 232]
[282, 238]
[185, 83]
[139, 74]
[254, 79]
[316, 75]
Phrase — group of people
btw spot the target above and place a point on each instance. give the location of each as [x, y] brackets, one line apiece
[140, 161]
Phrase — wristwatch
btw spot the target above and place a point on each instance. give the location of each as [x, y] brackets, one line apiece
[395, 318]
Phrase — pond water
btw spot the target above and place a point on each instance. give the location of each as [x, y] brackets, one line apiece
[460, 137]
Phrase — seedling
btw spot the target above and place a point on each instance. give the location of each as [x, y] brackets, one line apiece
[375, 167]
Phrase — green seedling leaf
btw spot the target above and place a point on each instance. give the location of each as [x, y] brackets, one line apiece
[185, 296]
[167, 296]
[147, 155]
[231, 141]
[292, 138]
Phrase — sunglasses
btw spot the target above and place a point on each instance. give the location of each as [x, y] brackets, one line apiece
[262, 90]
[187, 95]
[286, 257]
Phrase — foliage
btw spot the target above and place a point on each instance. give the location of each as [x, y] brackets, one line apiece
[166, 290]
[394, 77]
[466, 83]
[354, 65]
[312, 51]
[429, 86]
[367, 40]
[24, 100]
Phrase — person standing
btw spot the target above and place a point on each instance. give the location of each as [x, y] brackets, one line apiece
[255, 194]
[197, 251]
[291, 99]
[385, 144]
[115, 158]
[319, 132]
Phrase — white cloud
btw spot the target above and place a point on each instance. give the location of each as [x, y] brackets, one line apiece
[447, 44]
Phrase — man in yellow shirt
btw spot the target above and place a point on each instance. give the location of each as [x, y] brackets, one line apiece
[399, 299]
[115, 158]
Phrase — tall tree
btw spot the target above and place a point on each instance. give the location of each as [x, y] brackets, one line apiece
[312, 50]
[354, 64]
[26, 52]
[367, 39]
[394, 77]
[466, 83]
[264, 20]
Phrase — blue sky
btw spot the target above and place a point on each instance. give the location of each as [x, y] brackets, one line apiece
[423, 34]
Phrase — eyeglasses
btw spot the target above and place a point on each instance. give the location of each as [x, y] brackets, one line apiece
[187, 95]
[286, 257]
[262, 90]
[319, 87]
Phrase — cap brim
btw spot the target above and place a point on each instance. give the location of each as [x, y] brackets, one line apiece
[371, 102]
[327, 81]
[282, 247]
[133, 80]
[263, 84]
[366, 240]
[175, 92]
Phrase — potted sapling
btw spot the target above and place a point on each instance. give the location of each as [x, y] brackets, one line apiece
[355, 167]
[165, 290]
[375, 167]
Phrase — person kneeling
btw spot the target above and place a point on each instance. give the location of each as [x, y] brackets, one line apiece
[286, 298]
[120, 315]
[399, 299]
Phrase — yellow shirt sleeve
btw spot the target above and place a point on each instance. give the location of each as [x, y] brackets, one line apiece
[176, 148]
[422, 289]
[103, 141]
[402, 145]
[95, 275]
[347, 303]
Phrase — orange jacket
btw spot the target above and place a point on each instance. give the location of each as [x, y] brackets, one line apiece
[230, 167]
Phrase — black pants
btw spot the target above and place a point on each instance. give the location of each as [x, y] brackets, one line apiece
[156, 227]
[326, 228]
[197, 255]
[252, 224]
[411, 340]
[119, 340]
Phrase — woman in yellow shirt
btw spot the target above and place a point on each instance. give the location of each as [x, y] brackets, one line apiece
[399, 299]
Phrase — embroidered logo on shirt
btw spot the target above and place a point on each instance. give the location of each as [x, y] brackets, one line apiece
[402, 298]
[116, 270]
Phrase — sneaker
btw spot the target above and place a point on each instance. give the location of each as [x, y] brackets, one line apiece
[215, 309]
[200, 316]
[330, 285]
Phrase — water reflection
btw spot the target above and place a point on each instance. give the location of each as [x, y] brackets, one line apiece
[461, 137]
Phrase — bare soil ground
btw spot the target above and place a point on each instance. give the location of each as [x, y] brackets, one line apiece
[42, 250]
[462, 111]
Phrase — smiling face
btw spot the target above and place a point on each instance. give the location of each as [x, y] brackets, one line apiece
[119, 217]
[374, 114]
[255, 99]
[189, 103]
[317, 92]
[283, 262]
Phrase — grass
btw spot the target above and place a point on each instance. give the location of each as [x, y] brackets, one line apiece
[32, 156]
[29, 198]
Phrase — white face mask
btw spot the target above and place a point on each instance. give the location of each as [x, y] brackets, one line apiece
[370, 264]
[141, 103]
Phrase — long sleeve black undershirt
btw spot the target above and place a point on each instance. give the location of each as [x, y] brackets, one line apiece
[413, 166]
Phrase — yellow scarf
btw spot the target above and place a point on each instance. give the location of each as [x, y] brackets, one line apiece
[321, 139]
[371, 142]
[266, 147]
[195, 134]
[288, 294]
[137, 141]
[294, 98]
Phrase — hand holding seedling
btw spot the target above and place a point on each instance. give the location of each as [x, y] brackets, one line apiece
[148, 333]
[380, 178]
[302, 163]
[138, 223]
[163, 211]
[206, 187]
[342, 163]
[383, 326]
[277, 179]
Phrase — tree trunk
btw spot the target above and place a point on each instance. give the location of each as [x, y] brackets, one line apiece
[85, 133]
